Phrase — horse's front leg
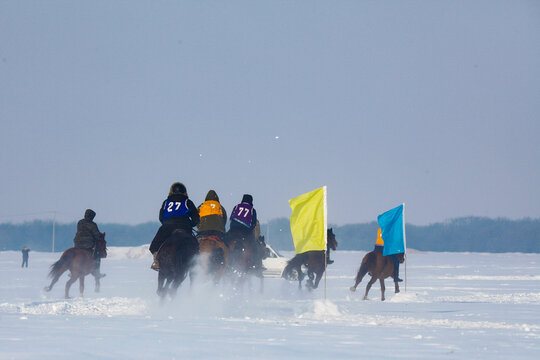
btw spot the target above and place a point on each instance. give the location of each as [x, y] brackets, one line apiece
[381, 280]
[81, 285]
[97, 283]
[71, 280]
[368, 286]
[161, 280]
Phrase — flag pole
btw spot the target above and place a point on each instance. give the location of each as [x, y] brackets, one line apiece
[325, 239]
[405, 243]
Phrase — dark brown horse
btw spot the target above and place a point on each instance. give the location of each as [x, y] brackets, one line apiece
[176, 257]
[245, 254]
[313, 260]
[379, 267]
[80, 262]
[214, 256]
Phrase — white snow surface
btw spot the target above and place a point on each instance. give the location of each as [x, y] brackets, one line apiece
[456, 306]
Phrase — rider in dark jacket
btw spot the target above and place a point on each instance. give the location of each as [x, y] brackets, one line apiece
[176, 213]
[87, 231]
[86, 237]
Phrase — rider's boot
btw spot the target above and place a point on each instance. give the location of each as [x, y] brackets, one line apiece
[155, 264]
[396, 269]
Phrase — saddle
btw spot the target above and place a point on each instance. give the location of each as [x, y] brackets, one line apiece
[212, 237]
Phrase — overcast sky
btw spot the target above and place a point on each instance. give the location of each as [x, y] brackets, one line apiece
[435, 104]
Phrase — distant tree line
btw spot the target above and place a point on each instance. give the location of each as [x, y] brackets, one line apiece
[475, 234]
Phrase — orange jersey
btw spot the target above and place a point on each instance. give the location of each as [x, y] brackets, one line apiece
[380, 240]
[210, 207]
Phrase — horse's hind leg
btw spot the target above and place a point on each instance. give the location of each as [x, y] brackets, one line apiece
[71, 280]
[360, 275]
[318, 279]
[382, 289]
[55, 278]
[300, 277]
[309, 282]
[368, 286]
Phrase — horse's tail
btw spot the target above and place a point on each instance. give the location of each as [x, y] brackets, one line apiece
[58, 268]
[295, 263]
[368, 259]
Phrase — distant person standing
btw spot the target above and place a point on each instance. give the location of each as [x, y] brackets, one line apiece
[25, 252]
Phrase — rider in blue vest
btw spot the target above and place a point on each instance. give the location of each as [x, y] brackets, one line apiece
[176, 213]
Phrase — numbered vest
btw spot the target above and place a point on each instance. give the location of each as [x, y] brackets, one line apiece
[243, 213]
[379, 241]
[175, 208]
[210, 207]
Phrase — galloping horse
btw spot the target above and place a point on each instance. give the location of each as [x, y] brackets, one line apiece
[244, 256]
[176, 258]
[214, 256]
[313, 260]
[80, 262]
[379, 267]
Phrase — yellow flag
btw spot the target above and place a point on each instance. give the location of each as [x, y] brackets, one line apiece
[308, 221]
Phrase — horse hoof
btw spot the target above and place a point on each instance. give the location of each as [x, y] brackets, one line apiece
[352, 288]
[397, 291]
[365, 297]
[383, 299]
[46, 288]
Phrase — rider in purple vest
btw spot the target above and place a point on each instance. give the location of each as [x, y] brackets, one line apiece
[176, 213]
[243, 221]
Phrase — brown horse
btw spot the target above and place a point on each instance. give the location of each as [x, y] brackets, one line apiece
[313, 260]
[176, 257]
[379, 267]
[245, 256]
[214, 256]
[80, 262]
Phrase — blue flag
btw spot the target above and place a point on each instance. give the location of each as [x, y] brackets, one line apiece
[392, 225]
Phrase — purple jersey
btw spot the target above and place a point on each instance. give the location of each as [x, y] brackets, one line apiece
[243, 213]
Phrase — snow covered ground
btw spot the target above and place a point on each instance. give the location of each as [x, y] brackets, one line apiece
[457, 306]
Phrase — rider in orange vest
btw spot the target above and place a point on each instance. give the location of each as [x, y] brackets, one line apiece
[213, 216]
[379, 245]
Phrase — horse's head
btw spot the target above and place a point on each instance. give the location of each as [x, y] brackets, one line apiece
[331, 239]
[101, 246]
